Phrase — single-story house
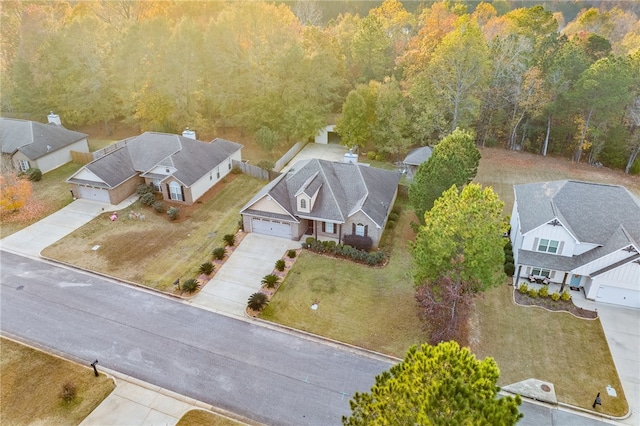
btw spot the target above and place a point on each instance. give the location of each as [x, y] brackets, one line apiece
[324, 199]
[179, 167]
[29, 144]
[579, 234]
[414, 158]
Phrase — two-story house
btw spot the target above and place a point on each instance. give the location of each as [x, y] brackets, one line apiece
[579, 234]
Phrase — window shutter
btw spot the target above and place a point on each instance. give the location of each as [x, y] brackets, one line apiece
[182, 191]
[324, 227]
[366, 230]
[535, 244]
[528, 270]
[353, 229]
[168, 192]
[560, 247]
[553, 274]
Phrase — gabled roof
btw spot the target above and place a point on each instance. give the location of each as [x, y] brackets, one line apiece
[606, 215]
[417, 156]
[343, 189]
[189, 159]
[34, 139]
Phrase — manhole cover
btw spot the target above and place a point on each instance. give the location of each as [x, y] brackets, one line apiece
[20, 287]
[545, 388]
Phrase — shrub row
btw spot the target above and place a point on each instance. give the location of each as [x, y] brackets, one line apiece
[544, 292]
[509, 267]
[345, 251]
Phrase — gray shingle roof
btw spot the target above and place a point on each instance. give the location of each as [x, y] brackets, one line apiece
[606, 215]
[191, 158]
[344, 188]
[417, 156]
[33, 138]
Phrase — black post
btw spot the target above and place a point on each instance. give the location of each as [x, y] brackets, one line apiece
[597, 401]
[95, 370]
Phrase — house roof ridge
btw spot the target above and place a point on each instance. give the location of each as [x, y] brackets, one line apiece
[333, 195]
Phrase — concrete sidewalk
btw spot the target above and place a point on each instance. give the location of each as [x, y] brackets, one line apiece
[31, 240]
[241, 275]
[134, 402]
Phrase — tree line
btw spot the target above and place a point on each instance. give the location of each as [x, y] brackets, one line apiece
[519, 77]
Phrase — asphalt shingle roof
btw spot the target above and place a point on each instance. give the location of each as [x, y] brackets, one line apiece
[34, 139]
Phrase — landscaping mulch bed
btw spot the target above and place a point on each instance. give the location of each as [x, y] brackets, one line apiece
[549, 304]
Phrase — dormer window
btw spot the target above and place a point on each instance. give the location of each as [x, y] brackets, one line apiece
[303, 203]
[548, 246]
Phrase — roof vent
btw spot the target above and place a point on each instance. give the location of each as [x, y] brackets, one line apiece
[54, 119]
[350, 157]
[189, 134]
[48, 148]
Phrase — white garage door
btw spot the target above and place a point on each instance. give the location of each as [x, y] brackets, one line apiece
[95, 194]
[268, 227]
[619, 296]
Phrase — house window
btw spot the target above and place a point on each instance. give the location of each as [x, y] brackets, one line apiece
[156, 184]
[210, 175]
[303, 203]
[539, 272]
[229, 163]
[549, 246]
[175, 191]
[24, 165]
[329, 228]
[360, 230]
[218, 173]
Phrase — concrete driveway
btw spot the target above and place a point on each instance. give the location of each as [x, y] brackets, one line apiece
[33, 239]
[242, 273]
[622, 330]
[330, 152]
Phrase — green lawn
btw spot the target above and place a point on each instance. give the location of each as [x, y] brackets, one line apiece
[373, 308]
[206, 418]
[31, 382]
[529, 342]
[155, 251]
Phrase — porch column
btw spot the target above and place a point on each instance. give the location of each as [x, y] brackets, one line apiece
[340, 233]
[315, 228]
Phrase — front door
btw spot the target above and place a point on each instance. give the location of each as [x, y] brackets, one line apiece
[575, 280]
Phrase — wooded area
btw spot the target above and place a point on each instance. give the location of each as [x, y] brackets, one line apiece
[553, 78]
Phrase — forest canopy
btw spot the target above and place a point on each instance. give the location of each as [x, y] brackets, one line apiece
[554, 77]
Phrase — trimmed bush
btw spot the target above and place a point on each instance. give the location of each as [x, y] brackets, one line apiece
[566, 296]
[345, 251]
[393, 216]
[555, 296]
[144, 189]
[544, 291]
[524, 288]
[360, 242]
[266, 164]
[190, 285]
[371, 155]
[229, 239]
[147, 199]
[34, 175]
[280, 264]
[509, 269]
[257, 301]
[270, 281]
[291, 254]
[533, 293]
[158, 206]
[218, 253]
[391, 224]
[379, 157]
[206, 268]
[68, 392]
[173, 213]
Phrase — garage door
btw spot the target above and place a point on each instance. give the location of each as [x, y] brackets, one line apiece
[95, 194]
[619, 296]
[270, 227]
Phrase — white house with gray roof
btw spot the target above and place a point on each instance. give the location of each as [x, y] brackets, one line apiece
[579, 234]
[29, 144]
[324, 199]
[182, 169]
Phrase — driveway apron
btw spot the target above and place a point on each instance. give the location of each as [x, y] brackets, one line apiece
[31, 240]
[241, 275]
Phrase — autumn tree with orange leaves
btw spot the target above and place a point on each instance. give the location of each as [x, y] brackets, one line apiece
[14, 192]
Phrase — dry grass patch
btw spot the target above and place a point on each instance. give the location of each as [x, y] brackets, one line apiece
[529, 342]
[501, 169]
[32, 381]
[373, 308]
[155, 251]
[206, 418]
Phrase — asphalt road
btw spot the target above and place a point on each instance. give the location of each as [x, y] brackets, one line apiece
[273, 377]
